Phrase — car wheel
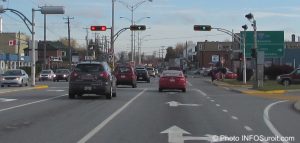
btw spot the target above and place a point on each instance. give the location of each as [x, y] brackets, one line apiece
[148, 81]
[114, 94]
[21, 83]
[2, 85]
[134, 86]
[71, 94]
[286, 82]
[160, 89]
[109, 94]
[184, 90]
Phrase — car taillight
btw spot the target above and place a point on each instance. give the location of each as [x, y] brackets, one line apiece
[181, 78]
[74, 75]
[104, 75]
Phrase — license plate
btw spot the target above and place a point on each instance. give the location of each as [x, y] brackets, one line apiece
[122, 76]
[140, 77]
[172, 80]
[87, 88]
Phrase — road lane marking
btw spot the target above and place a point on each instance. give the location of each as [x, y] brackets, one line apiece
[6, 100]
[107, 120]
[212, 100]
[39, 101]
[201, 92]
[226, 88]
[218, 105]
[55, 90]
[225, 110]
[189, 83]
[234, 117]
[268, 122]
[248, 128]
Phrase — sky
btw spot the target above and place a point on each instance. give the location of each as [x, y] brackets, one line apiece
[170, 22]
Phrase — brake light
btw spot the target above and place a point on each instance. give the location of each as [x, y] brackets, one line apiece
[74, 74]
[104, 75]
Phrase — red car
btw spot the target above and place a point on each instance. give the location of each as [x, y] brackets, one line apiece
[230, 75]
[172, 79]
[125, 75]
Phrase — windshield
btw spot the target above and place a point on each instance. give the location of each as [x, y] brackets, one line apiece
[13, 73]
[89, 68]
[62, 71]
[46, 72]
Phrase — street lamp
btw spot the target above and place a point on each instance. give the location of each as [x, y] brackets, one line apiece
[250, 17]
[135, 22]
[245, 27]
[132, 8]
[28, 23]
[140, 46]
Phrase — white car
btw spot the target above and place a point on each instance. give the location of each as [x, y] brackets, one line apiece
[14, 77]
[46, 75]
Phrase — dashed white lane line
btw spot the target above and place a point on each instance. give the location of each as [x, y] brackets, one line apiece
[234, 117]
[226, 88]
[39, 101]
[224, 110]
[212, 100]
[218, 105]
[268, 122]
[6, 100]
[201, 92]
[248, 128]
[107, 120]
[189, 83]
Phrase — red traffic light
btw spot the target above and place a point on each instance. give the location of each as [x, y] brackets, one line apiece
[98, 28]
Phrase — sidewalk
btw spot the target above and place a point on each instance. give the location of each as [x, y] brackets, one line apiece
[273, 94]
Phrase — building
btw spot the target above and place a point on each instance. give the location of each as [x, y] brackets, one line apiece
[13, 43]
[212, 53]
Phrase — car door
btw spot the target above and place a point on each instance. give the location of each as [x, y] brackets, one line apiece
[296, 76]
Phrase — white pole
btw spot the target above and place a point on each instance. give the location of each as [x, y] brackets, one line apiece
[1, 24]
[33, 52]
[244, 59]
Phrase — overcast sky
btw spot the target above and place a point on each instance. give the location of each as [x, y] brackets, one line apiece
[171, 21]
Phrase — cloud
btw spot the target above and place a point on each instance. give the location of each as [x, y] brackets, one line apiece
[274, 14]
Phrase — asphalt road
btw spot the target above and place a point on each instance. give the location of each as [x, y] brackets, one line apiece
[205, 113]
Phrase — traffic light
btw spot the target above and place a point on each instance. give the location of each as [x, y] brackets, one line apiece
[202, 28]
[137, 27]
[253, 53]
[98, 28]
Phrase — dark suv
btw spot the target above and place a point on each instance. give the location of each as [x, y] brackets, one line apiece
[92, 78]
[125, 75]
[61, 74]
[142, 75]
[291, 78]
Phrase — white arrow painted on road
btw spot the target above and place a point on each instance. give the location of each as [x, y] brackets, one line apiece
[6, 100]
[175, 135]
[176, 104]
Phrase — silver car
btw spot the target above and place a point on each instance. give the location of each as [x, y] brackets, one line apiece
[46, 75]
[14, 77]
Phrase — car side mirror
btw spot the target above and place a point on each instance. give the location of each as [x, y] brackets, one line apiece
[24, 74]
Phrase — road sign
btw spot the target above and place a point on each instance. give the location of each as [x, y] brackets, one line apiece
[271, 42]
[215, 58]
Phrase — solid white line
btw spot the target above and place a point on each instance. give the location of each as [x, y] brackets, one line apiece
[107, 120]
[235, 118]
[39, 101]
[268, 122]
[225, 110]
[218, 105]
[201, 92]
[248, 128]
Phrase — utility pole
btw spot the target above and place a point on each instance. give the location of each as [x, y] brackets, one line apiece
[69, 41]
[19, 42]
[87, 40]
[45, 44]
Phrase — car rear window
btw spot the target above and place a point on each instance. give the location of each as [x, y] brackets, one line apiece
[141, 71]
[171, 73]
[124, 69]
[89, 68]
[45, 72]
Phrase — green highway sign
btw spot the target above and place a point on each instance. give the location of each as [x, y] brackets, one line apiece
[271, 42]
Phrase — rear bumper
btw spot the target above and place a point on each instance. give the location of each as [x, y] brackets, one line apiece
[142, 78]
[172, 85]
[100, 88]
[125, 82]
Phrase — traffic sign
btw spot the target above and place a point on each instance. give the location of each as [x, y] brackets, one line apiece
[271, 42]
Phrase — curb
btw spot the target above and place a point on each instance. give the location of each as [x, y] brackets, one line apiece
[41, 87]
[264, 92]
[297, 105]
